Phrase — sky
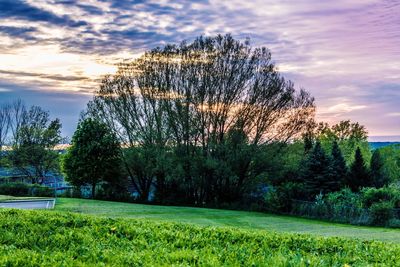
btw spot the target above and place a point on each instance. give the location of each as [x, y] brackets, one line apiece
[346, 53]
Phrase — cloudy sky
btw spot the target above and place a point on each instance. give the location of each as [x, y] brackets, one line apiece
[345, 52]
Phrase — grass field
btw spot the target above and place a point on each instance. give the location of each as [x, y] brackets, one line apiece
[214, 217]
[41, 238]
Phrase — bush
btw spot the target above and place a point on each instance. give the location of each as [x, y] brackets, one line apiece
[279, 199]
[381, 213]
[344, 197]
[41, 191]
[394, 223]
[346, 207]
[385, 194]
[14, 189]
[25, 190]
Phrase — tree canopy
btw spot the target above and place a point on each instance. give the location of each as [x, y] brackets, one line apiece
[191, 98]
[94, 156]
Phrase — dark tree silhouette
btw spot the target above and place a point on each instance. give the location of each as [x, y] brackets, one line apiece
[359, 175]
[316, 173]
[339, 169]
[378, 176]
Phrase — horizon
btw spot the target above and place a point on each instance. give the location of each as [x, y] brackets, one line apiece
[382, 139]
[345, 53]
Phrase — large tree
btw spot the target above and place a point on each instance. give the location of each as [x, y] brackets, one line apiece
[188, 98]
[34, 139]
[94, 156]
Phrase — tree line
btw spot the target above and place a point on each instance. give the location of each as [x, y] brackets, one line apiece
[213, 122]
[197, 119]
[210, 123]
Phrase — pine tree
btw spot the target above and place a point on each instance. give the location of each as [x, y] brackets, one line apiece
[339, 170]
[359, 176]
[378, 177]
[316, 173]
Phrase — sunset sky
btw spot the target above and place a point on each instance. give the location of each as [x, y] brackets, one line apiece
[345, 52]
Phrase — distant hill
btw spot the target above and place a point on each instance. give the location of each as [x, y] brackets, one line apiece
[376, 145]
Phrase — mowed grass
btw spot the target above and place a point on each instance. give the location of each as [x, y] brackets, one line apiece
[225, 218]
[42, 238]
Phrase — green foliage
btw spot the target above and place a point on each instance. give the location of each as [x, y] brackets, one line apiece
[370, 206]
[381, 212]
[316, 174]
[384, 194]
[344, 197]
[94, 157]
[33, 238]
[377, 172]
[391, 162]
[279, 198]
[338, 170]
[359, 174]
[26, 190]
[348, 135]
[148, 165]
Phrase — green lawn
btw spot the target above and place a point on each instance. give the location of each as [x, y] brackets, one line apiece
[214, 217]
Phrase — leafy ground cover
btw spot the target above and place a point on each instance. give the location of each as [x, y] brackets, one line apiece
[41, 238]
[225, 218]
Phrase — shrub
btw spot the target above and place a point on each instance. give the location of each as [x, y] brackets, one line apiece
[279, 199]
[344, 197]
[14, 189]
[346, 207]
[26, 190]
[394, 223]
[373, 195]
[381, 213]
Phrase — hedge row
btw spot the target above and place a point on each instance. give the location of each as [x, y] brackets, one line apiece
[25, 190]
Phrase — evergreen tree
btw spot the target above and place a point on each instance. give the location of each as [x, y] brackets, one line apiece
[339, 170]
[316, 174]
[378, 177]
[359, 176]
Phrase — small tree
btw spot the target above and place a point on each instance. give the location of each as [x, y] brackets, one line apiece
[359, 176]
[93, 157]
[338, 168]
[378, 176]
